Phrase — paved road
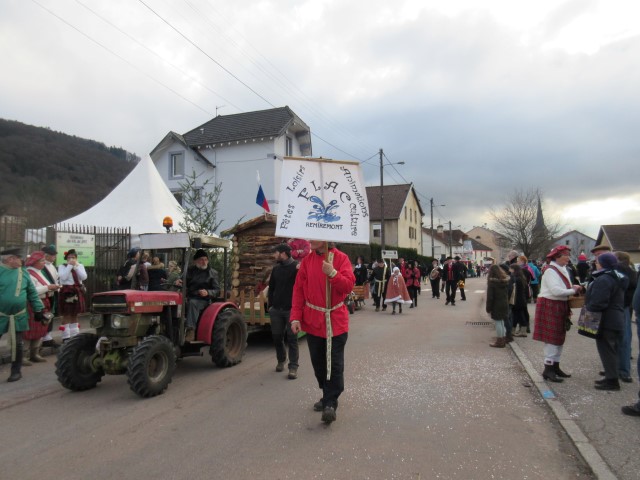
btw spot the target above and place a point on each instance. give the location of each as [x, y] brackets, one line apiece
[425, 398]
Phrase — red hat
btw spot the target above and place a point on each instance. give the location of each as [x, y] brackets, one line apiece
[582, 257]
[34, 258]
[557, 251]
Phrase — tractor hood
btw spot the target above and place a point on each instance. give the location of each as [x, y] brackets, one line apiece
[134, 301]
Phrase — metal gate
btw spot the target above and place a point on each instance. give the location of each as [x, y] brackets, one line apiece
[112, 245]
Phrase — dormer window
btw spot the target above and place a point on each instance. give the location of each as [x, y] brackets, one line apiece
[176, 165]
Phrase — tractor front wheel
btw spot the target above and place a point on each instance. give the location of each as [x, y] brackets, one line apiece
[151, 366]
[229, 338]
[74, 367]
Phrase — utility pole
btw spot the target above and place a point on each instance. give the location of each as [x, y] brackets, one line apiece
[450, 240]
[381, 202]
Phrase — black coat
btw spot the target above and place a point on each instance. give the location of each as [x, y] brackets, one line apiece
[497, 299]
[198, 279]
[606, 294]
[283, 276]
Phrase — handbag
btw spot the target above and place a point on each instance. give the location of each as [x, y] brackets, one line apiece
[589, 323]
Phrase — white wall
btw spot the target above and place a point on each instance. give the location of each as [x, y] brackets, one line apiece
[235, 168]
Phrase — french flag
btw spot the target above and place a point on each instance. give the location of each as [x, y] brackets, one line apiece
[260, 198]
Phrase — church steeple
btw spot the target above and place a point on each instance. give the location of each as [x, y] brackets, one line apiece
[540, 226]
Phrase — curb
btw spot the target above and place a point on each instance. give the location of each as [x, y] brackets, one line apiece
[588, 452]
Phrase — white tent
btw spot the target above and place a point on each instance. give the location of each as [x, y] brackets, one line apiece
[140, 201]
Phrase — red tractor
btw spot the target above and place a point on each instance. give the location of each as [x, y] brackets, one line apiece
[142, 333]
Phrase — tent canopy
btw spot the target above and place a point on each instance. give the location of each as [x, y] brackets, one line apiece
[140, 201]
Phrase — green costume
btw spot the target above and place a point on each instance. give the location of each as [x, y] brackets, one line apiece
[16, 288]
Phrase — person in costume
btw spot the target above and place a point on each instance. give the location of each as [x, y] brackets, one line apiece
[324, 280]
[552, 311]
[16, 289]
[72, 301]
[397, 293]
[50, 272]
[378, 279]
[434, 278]
[37, 329]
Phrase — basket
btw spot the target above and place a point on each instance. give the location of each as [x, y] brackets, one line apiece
[576, 301]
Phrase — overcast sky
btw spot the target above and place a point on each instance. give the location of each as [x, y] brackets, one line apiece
[476, 100]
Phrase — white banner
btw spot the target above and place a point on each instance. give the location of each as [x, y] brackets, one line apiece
[323, 199]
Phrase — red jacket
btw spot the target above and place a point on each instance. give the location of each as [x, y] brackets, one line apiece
[310, 287]
[411, 277]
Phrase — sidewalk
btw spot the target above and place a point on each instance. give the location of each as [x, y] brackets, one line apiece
[607, 439]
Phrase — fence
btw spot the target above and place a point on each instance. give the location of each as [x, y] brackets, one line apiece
[111, 247]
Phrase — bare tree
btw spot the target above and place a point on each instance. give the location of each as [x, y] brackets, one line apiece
[522, 225]
[200, 204]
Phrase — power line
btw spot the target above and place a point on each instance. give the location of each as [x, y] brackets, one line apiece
[121, 58]
[207, 55]
[175, 67]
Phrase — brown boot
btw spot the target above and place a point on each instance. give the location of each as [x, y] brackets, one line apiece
[35, 351]
[499, 343]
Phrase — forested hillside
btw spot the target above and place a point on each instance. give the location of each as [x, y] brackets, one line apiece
[50, 176]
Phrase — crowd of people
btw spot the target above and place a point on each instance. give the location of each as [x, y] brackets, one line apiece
[306, 292]
[32, 292]
[608, 284]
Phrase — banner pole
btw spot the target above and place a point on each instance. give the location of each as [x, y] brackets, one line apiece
[327, 315]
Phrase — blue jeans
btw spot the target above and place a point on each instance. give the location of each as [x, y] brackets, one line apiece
[624, 349]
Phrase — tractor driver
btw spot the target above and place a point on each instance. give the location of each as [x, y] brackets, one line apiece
[202, 287]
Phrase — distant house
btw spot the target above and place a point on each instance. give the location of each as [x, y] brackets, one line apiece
[231, 150]
[578, 243]
[440, 243]
[476, 251]
[402, 216]
[492, 240]
[625, 238]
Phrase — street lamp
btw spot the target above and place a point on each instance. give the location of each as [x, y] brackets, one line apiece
[382, 245]
[433, 248]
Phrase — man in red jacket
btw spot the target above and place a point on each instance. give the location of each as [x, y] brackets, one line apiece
[325, 325]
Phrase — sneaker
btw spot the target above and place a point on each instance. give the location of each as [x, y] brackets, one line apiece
[280, 367]
[190, 335]
[631, 410]
[293, 374]
[317, 407]
[328, 415]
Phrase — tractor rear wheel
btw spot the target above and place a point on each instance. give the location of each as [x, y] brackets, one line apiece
[74, 367]
[151, 366]
[229, 338]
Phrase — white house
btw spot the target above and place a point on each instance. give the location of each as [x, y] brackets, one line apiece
[578, 242]
[231, 150]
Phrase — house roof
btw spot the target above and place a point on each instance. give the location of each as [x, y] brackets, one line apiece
[244, 126]
[172, 137]
[395, 197]
[572, 232]
[479, 247]
[241, 227]
[624, 238]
